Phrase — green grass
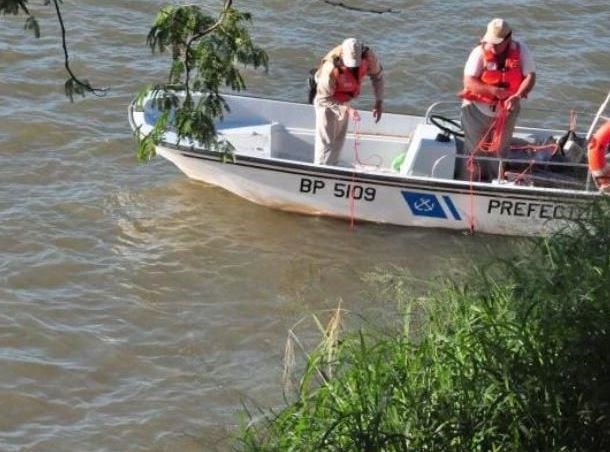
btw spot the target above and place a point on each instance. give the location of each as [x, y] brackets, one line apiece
[514, 357]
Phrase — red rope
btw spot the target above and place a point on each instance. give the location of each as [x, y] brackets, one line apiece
[497, 131]
[493, 146]
[499, 126]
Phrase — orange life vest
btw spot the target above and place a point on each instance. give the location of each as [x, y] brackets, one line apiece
[598, 145]
[509, 76]
[347, 86]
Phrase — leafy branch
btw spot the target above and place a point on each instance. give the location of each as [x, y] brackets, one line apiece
[13, 7]
[204, 52]
[73, 85]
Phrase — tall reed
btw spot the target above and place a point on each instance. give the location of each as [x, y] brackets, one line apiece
[514, 357]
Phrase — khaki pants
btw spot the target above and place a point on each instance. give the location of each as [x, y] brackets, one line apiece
[330, 135]
[476, 125]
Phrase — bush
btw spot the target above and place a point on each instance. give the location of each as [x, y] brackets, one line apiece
[514, 361]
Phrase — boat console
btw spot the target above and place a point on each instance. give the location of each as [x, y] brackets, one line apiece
[430, 154]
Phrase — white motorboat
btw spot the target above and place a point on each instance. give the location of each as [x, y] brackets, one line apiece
[404, 170]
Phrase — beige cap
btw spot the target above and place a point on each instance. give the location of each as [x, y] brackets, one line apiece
[351, 52]
[497, 31]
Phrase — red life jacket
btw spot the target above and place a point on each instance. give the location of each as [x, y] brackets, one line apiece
[509, 76]
[597, 156]
[347, 86]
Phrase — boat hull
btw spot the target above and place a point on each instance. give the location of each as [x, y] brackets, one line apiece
[405, 170]
[385, 198]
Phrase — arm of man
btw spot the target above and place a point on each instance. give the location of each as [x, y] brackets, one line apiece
[375, 72]
[528, 68]
[525, 87]
[326, 89]
[475, 85]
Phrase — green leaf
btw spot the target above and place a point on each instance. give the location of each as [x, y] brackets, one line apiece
[13, 7]
[32, 24]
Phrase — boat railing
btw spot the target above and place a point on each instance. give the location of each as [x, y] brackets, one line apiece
[599, 115]
[451, 109]
[435, 106]
[554, 168]
[538, 172]
[524, 161]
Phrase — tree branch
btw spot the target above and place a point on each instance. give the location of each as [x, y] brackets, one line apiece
[82, 85]
[221, 17]
[188, 52]
[13, 6]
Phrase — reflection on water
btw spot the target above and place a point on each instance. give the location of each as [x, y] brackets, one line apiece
[138, 308]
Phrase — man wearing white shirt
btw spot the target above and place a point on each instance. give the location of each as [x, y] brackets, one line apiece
[498, 74]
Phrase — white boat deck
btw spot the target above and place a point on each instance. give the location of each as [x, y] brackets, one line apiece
[273, 140]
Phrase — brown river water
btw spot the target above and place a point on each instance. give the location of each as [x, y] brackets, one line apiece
[138, 309]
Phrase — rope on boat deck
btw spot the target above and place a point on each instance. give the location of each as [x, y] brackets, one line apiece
[496, 132]
[357, 161]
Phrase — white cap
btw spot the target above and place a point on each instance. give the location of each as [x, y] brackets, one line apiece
[351, 52]
[497, 31]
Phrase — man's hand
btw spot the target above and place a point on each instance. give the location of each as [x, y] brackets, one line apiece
[603, 181]
[512, 102]
[500, 93]
[377, 110]
[353, 114]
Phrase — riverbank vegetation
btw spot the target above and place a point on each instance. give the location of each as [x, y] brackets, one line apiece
[513, 357]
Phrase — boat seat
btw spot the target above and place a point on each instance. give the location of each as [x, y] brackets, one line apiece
[251, 139]
[427, 156]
